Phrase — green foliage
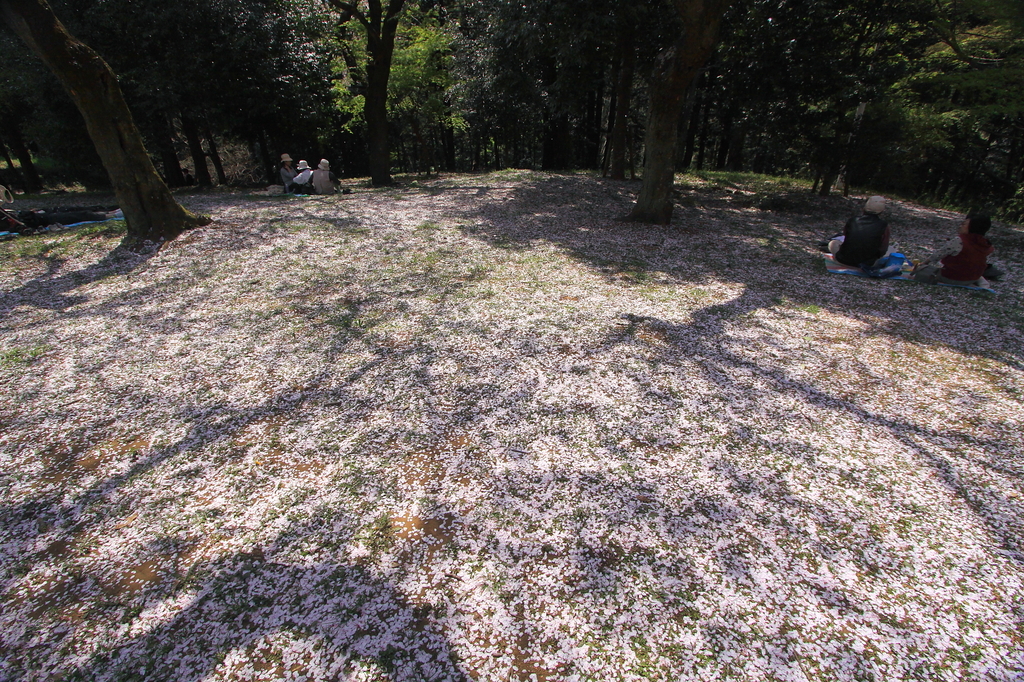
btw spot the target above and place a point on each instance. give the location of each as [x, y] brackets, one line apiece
[421, 73]
[493, 84]
[420, 80]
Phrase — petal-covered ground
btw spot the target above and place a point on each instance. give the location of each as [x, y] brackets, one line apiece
[476, 428]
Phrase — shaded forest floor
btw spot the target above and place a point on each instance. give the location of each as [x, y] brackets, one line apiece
[474, 427]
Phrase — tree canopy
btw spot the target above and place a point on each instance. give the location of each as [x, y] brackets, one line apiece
[924, 98]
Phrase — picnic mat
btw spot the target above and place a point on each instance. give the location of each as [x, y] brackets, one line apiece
[837, 268]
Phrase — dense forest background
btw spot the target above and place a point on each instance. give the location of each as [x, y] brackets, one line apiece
[919, 98]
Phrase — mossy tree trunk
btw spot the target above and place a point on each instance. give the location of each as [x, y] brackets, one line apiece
[150, 210]
[675, 69]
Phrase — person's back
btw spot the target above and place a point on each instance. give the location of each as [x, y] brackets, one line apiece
[323, 179]
[866, 237]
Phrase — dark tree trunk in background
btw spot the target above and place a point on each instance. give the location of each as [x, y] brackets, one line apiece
[702, 140]
[381, 24]
[685, 118]
[266, 158]
[623, 91]
[448, 140]
[593, 130]
[738, 138]
[218, 166]
[693, 124]
[828, 178]
[15, 177]
[195, 148]
[149, 209]
[33, 183]
[723, 141]
[555, 149]
[555, 155]
[424, 152]
[169, 156]
[674, 70]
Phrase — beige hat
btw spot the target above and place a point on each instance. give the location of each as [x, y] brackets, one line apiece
[875, 204]
[285, 157]
[302, 165]
[324, 164]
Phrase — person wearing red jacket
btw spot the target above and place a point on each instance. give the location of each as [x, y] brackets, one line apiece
[964, 259]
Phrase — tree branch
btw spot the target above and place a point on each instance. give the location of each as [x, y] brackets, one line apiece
[349, 10]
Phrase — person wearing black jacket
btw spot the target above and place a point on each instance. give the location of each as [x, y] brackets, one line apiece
[865, 238]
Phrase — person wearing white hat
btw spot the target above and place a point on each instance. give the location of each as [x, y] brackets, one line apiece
[302, 183]
[324, 180]
[287, 172]
[865, 239]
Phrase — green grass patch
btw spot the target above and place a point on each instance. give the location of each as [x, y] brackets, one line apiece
[18, 357]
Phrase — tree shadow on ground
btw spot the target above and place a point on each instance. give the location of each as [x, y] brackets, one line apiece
[247, 611]
[71, 508]
[947, 451]
[244, 603]
[240, 603]
[774, 259]
[772, 254]
[52, 292]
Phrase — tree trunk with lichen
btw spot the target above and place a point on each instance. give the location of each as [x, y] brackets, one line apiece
[675, 69]
[150, 210]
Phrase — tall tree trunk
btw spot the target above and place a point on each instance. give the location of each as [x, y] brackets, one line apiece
[828, 178]
[448, 139]
[381, 24]
[555, 146]
[195, 148]
[738, 139]
[675, 68]
[724, 136]
[693, 125]
[375, 111]
[705, 131]
[149, 208]
[555, 154]
[623, 91]
[606, 156]
[168, 154]
[593, 132]
[268, 163]
[33, 183]
[218, 166]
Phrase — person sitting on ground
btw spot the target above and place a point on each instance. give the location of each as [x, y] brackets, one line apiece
[865, 239]
[962, 260]
[287, 172]
[324, 181]
[303, 182]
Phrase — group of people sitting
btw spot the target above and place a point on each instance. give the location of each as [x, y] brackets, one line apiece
[963, 260]
[302, 179]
